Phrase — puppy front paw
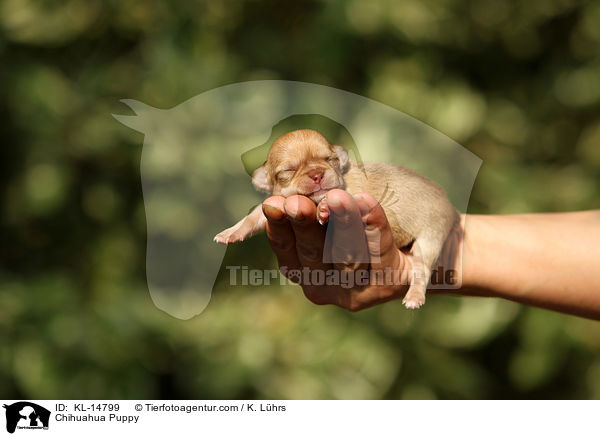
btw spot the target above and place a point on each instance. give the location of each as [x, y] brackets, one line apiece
[323, 212]
[230, 236]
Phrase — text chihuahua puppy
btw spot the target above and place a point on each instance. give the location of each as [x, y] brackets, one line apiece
[303, 162]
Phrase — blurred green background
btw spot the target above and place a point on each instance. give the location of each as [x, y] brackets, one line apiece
[516, 82]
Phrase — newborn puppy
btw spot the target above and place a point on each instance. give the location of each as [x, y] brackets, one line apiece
[303, 162]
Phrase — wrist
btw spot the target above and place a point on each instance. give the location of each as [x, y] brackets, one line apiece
[473, 254]
[469, 246]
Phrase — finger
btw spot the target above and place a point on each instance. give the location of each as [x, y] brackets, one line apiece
[309, 234]
[281, 236]
[345, 242]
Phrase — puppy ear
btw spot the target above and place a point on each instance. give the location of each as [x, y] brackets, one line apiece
[261, 180]
[343, 157]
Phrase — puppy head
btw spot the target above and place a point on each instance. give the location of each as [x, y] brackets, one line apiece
[302, 162]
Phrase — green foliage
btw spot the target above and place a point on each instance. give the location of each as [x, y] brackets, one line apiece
[516, 82]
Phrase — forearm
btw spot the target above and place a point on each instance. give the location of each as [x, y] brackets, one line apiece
[545, 260]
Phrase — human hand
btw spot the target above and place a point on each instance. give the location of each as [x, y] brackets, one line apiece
[355, 265]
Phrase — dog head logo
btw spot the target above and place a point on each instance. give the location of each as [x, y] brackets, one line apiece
[195, 171]
[26, 415]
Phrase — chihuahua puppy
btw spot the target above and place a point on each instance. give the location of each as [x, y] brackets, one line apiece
[303, 162]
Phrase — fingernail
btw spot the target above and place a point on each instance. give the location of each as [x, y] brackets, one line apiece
[297, 215]
[272, 211]
[357, 196]
[334, 201]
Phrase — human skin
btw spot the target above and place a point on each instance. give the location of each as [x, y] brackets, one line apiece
[544, 260]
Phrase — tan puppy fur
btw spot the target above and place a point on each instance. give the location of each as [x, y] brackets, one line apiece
[304, 162]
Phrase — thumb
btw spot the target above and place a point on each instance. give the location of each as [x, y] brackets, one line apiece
[377, 230]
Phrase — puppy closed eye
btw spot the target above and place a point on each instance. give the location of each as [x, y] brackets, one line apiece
[285, 175]
[333, 160]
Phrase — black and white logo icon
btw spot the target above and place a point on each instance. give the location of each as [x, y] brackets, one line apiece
[26, 415]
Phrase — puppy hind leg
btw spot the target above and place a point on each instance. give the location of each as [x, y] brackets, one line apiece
[425, 251]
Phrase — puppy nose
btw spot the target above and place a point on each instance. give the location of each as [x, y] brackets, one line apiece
[316, 175]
